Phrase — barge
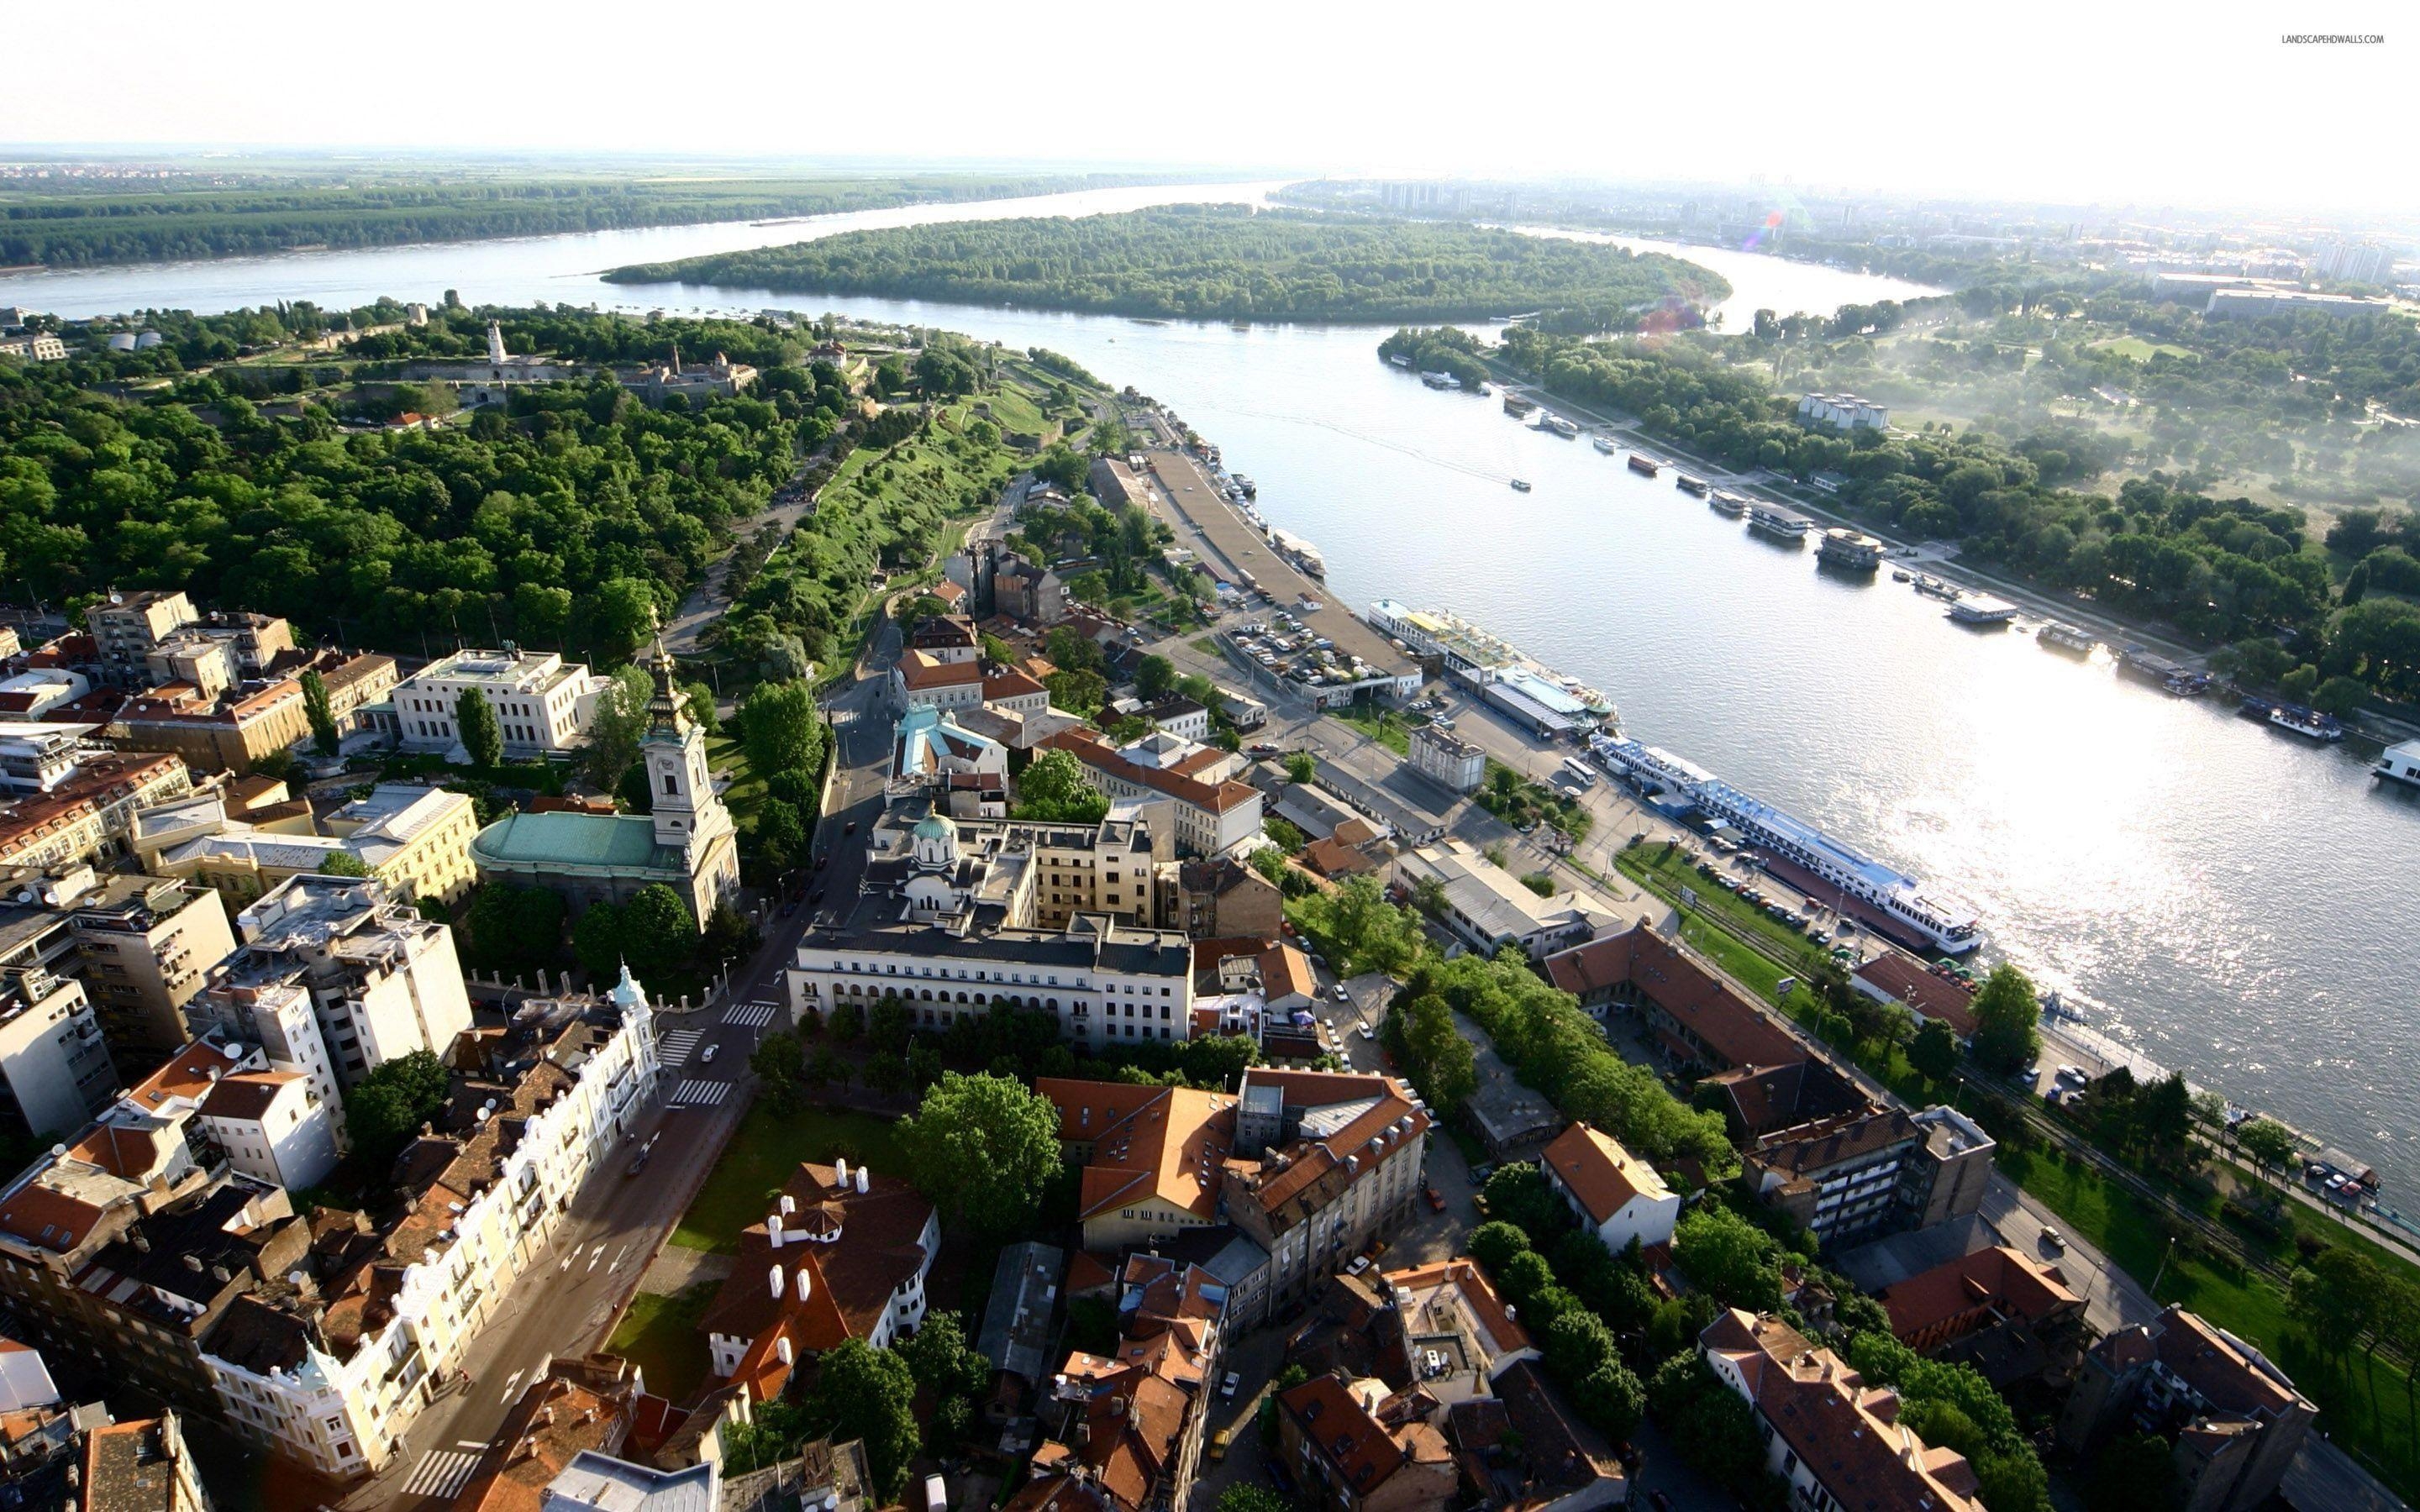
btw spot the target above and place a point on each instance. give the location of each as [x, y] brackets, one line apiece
[1689, 484]
[1726, 504]
[2294, 718]
[1647, 464]
[1982, 611]
[1516, 405]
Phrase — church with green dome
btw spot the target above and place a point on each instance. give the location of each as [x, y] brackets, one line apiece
[688, 843]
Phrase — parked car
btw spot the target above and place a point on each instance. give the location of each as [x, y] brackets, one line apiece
[1368, 1031]
[2073, 1074]
[1435, 1198]
[1218, 1443]
[1361, 1263]
[1340, 995]
[849, 828]
[1227, 1387]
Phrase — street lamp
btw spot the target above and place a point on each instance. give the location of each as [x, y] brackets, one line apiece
[2163, 1267]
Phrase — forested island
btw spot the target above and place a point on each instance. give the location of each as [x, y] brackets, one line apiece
[1226, 262]
[73, 226]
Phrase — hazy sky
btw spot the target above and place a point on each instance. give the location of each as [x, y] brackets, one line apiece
[2116, 101]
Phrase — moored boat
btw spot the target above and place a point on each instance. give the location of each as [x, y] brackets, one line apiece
[1606, 444]
[1647, 464]
[1726, 504]
[1785, 525]
[2058, 636]
[1520, 485]
[1850, 550]
[1689, 484]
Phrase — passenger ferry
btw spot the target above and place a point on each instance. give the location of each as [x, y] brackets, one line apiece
[2056, 636]
[1606, 444]
[1905, 905]
[1852, 550]
[1726, 504]
[1647, 464]
[1786, 525]
[1689, 484]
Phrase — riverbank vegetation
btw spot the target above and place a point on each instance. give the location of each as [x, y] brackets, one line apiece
[2224, 571]
[1224, 262]
[64, 224]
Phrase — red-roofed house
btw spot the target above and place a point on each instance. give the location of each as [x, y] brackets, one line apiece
[1212, 817]
[1895, 976]
[843, 1254]
[1609, 1189]
[1838, 1441]
[1997, 1309]
[1365, 1448]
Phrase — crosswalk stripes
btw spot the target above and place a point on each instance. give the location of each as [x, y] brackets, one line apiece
[675, 1048]
[442, 1472]
[751, 1015]
[695, 1094]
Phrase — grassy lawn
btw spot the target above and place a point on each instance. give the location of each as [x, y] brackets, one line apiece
[2137, 350]
[1205, 646]
[1665, 873]
[1386, 727]
[1011, 409]
[765, 1149]
[724, 754]
[659, 1336]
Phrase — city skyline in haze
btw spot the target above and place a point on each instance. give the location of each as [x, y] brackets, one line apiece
[2065, 104]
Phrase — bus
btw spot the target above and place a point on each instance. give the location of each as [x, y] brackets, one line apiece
[1580, 772]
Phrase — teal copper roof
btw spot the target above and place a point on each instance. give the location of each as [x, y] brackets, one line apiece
[614, 843]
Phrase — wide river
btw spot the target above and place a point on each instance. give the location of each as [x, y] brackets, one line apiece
[2235, 903]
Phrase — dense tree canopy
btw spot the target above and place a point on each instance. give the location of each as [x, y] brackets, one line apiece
[1223, 262]
[984, 1148]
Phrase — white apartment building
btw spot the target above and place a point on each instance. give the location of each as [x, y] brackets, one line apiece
[54, 1070]
[333, 981]
[1609, 1190]
[543, 704]
[269, 1121]
[334, 1370]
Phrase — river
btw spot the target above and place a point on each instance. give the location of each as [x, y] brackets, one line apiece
[2233, 903]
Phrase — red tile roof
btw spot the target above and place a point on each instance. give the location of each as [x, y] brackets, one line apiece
[1599, 1171]
[1965, 1294]
[1733, 1027]
[1903, 979]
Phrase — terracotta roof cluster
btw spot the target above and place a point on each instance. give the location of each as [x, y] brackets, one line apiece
[843, 1251]
[1363, 1432]
[1600, 1172]
[1134, 1404]
[1008, 682]
[2220, 1372]
[577, 1405]
[1766, 1098]
[1729, 1025]
[1094, 750]
[99, 782]
[1559, 1455]
[1974, 1292]
[1845, 1432]
[1164, 1142]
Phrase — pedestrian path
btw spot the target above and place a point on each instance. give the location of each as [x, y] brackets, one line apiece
[673, 1049]
[442, 1472]
[694, 1092]
[751, 1015]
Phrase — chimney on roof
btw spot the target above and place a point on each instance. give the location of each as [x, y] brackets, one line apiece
[861, 1184]
[773, 1280]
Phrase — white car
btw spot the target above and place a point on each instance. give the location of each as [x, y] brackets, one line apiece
[1367, 1033]
[708, 1054]
[1340, 995]
[2073, 1074]
[1361, 1263]
[2051, 1238]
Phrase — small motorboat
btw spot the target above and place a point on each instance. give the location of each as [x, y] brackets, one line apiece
[1898, 575]
[1520, 485]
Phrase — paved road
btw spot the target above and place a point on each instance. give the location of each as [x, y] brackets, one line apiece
[706, 601]
[567, 1303]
